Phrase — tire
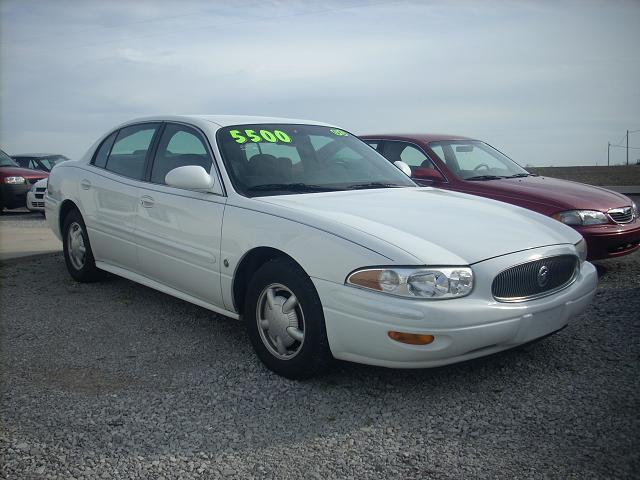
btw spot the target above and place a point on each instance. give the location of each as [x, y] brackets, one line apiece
[81, 267]
[283, 349]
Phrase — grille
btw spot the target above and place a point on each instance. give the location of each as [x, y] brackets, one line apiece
[534, 279]
[40, 189]
[621, 215]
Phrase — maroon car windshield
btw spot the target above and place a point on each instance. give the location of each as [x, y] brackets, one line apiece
[475, 160]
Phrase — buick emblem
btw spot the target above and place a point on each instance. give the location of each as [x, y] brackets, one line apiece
[543, 276]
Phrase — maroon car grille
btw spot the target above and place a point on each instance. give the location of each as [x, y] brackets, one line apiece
[535, 279]
[621, 215]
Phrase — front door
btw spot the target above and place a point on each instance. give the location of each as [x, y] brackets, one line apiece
[179, 230]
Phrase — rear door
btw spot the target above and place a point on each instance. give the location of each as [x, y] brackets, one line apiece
[109, 193]
[179, 230]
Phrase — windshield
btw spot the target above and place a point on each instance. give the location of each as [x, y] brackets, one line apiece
[41, 163]
[475, 160]
[275, 159]
[6, 160]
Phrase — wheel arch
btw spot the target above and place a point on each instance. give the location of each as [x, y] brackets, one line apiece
[66, 207]
[248, 265]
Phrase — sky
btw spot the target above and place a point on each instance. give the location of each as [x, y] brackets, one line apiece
[547, 83]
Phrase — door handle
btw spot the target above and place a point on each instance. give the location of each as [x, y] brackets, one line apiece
[146, 201]
[85, 184]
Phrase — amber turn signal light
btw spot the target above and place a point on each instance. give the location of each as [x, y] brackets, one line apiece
[411, 338]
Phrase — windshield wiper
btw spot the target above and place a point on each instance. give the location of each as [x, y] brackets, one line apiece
[518, 175]
[289, 187]
[485, 177]
[361, 186]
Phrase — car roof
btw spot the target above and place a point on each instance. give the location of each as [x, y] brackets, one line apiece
[420, 137]
[226, 120]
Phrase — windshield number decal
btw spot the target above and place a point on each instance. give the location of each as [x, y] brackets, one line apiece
[338, 132]
[271, 136]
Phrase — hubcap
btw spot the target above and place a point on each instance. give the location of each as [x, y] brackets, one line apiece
[280, 321]
[75, 245]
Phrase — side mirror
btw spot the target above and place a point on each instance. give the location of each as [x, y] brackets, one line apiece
[428, 174]
[404, 168]
[189, 177]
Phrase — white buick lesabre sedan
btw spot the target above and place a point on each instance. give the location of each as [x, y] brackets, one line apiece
[321, 246]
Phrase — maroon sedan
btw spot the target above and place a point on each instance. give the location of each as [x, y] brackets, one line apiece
[15, 182]
[607, 220]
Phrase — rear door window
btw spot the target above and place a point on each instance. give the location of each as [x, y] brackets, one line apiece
[130, 149]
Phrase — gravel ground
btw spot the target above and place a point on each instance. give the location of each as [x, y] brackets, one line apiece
[115, 380]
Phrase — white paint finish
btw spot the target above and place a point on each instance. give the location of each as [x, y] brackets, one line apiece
[109, 205]
[358, 322]
[189, 177]
[177, 241]
[436, 226]
[320, 253]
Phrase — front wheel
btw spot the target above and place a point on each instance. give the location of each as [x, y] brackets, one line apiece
[77, 250]
[285, 321]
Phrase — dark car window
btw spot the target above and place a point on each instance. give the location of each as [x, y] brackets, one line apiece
[277, 159]
[44, 163]
[100, 158]
[6, 160]
[129, 151]
[373, 144]
[179, 146]
[475, 160]
[405, 152]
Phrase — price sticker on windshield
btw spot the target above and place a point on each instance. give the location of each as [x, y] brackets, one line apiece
[338, 132]
[271, 136]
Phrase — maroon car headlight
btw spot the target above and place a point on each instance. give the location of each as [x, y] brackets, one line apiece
[15, 180]
[581, 217]
[636, 212]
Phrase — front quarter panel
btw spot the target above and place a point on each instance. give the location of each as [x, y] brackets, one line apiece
[321, 254]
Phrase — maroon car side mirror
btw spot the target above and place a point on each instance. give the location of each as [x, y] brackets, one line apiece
[428, 174]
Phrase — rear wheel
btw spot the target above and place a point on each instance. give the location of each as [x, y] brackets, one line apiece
[285, 321]
[77, 249]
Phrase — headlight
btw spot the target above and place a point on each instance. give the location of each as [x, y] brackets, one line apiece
[636, 212]
[421, 282]
[33, 188]
[15, 180]
[581, 217]
[581, 250]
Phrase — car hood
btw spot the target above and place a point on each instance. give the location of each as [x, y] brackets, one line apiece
[551, 194]
[434, 226]
[22, 172]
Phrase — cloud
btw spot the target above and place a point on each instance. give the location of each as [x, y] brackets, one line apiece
[549, 83]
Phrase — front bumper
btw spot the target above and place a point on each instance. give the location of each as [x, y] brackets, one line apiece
[35, 201]
[358, 321]
[607, 241]
[14, 196]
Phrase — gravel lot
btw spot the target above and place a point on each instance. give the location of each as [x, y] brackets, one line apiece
[115, 380]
